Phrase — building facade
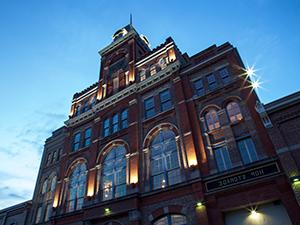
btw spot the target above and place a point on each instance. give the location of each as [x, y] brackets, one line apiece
[164, 138]
[16, 215]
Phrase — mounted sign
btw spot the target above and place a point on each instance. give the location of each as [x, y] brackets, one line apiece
[242, 177]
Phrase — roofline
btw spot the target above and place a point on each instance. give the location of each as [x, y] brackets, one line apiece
[283, 102]
[16, 207]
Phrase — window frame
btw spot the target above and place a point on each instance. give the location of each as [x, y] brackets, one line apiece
[224, 76]
[250, 156]
[165, 104]
[124, 119]
[199, 91]
[106, 129]
[234, 113]
[76, 143]
[223, 152]
[212, 84]
[151, 111]
[212, 122]
[87, 140]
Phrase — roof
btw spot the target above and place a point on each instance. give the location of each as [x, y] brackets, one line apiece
[283, 102]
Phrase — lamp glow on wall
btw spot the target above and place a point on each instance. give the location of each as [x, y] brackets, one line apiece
[55, 201]
[172, 56]
[134, 170]
[91, 184]
[192, 158]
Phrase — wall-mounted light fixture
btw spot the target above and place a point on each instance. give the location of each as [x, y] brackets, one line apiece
[295, 179]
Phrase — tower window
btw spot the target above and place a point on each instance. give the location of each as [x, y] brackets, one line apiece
[142, 75]
[115, 84]
[153, 70]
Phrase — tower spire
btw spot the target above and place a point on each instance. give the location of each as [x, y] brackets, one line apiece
[130, 19]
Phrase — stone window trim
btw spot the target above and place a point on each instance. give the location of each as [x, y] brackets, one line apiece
[170, 209]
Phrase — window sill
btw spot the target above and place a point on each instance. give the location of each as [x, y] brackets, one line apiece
[158, 114]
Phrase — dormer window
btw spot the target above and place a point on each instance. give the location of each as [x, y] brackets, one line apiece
[116, 84]
[152, 70]
[163, 63]
[142, 75]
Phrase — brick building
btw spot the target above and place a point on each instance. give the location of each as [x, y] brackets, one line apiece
[164, 138]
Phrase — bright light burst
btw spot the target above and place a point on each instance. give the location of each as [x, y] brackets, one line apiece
[256, 84]
[250, 71]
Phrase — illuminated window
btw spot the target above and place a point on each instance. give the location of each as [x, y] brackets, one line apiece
[114, 173]
[77, 110]
[222, 158]
[149, 107]
[38, 215]
[247, 150]
[106, 131]
[76, 142]
[115, 123]
[234, 112]
[165, 100]
[76, 189]
[212, 83]
[199, 88]
[212, 119]
[124, 118]
[153, 70]
[142, 75]
[171, 219]
[165, 169]
[87, 137]
[224, 73]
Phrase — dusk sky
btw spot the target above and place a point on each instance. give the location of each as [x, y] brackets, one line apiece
[49, 51]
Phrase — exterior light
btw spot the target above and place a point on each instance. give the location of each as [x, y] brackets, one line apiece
[199, 204]
[253, 213]
[107, 210]
[255, 84]
[250, 71]
[295, 179]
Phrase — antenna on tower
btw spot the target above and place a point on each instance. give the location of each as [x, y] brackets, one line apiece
[130, 19]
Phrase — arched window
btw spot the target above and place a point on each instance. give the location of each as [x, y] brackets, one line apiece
[114, 173]
[171, 219]
[53, 184]
[44, 187]
[76, 189]
[234, 112]
[162, 62]
[212, 119]
[165, 168]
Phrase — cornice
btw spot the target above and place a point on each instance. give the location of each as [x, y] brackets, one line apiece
[134, 88]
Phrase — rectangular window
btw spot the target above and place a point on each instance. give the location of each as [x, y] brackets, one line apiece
[38, 215]
[48, 159]
[222, 158]
[152, 70]
[224, 73]
[48, 212]
[199, 88]
[165, 100]
[106, 131]
[115, 123]
[212, 83]
[76, 142]
[247, 150]
[54, 157]
[124, 119]
[87, 137]
[115, 84]
[149, 107]
[142, 75]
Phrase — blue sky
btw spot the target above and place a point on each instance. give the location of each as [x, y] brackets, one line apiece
[49, 51]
